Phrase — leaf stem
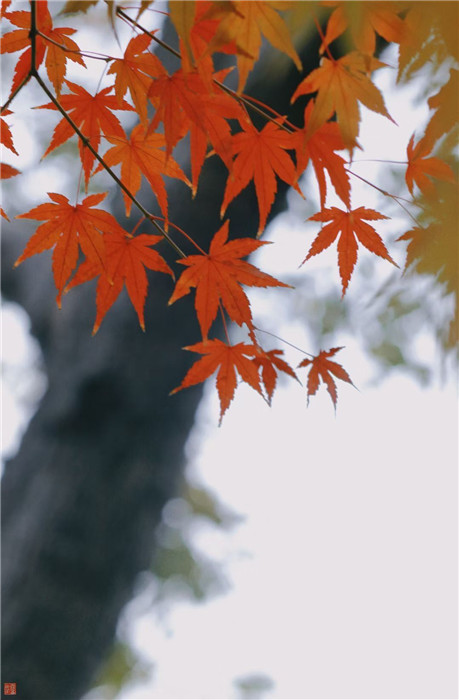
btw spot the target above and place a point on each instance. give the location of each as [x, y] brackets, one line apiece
[224, 323]
[321, 34]
[380, 160]
[284, 341]
[397, 199]
[188, 237]
[288, 125]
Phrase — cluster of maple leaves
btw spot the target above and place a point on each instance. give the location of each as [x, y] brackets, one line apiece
[195, 101]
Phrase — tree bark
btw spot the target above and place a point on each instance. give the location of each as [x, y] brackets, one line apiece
[105, 450]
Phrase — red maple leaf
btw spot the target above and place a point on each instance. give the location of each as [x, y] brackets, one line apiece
[7, 171]
[260, 156]
[135, 71]
[127, 257]
[218, 277]
[269, 364]
[353, 228]
[322, 368]
[227, 359]
[6, 136]
[185, 102]
[67, 228]
[93, 115]
[420, 165]
[56, 57]
[319, 148]
[143, 154]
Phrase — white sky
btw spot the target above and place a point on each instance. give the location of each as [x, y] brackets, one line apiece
[342, 577]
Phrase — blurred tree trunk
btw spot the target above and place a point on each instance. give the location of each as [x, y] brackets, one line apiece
[105, 450]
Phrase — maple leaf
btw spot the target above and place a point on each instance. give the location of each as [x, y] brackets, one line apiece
[445, 114]
[319, 148]
[420, 166]
[6, 137]
[93, 115]
[2, 213]
[227, 359]
[127, 257]
[322, 368]
[4, 5]
[243, 24]
[68, 228]
[7, 171]
[268, 362]
[184, 103]
[218, 277]
[432, 247]
[135, 72]
[143, 153]
[260, 156]
[366, 19]
[56, 57]
[341, 85]
[353, 228]
[195, 42]
[182, 14]
[430, 35]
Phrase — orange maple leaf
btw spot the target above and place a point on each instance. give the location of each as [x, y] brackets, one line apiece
[135, 71]
[445, 115]
[93, 115]
[353, 228]
[260, 156]
[366, 19]
[56, 57]
[4, 4]
[68, 228]
[183, 102]
[143, 153]
[7, 171]
[322, 368]
[269, 363]
[227, 359]
[127, 257]
[182, 14]
[218, 277]
[6, 137]
[195, 40]
[420, 166]
[243, 23]
[319, 148]
[341, 85]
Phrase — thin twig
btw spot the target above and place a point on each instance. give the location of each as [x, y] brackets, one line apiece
[162, 43]
[398, 200]
[15, 92]
[96, 55]
[228, 90]
[33, 34]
